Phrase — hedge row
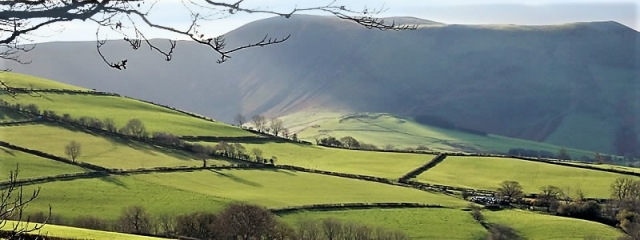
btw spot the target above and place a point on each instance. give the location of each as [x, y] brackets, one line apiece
[338, 206]
[53, 157]
[434, 161]
[61, 177]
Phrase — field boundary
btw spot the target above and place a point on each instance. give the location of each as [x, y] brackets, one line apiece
[352, 206]
[432, 163]
[53, 157]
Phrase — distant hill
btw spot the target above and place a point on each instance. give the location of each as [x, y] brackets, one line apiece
[574, 85]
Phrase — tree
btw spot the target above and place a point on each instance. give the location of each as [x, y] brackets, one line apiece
[135, 219]
[257, 153]
[626, 192]
[350, 142]
[240, 119]
[244, 221]
[13, 201]
[197, 225]
[73, 150]
[135, 128]
[563, 154]
[510, 190]
[276, 126]
[240, 150]
[285, 133]
[259, 122]
[110, 125]
[202, 152]
[549, 195]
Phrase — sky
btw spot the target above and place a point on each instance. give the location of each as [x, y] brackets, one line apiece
[523, 12]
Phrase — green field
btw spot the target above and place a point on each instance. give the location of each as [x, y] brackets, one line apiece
[31, 165]
[383, 129]
[206, 190]
[418, 223]
[121, 109]
[19, 80]
[488, 173]
[77, 233]
[102, 151]
[379, 164]
[539, 226]
[283, 188]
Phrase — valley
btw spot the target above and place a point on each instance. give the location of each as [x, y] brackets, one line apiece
[118, 169]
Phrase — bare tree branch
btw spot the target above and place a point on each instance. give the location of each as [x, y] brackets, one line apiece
[21, 18]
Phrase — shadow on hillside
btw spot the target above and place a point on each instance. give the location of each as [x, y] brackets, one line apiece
[8, 152]
[237, 179]
[114, 181]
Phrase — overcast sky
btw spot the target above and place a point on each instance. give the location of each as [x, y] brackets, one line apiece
[527, 12]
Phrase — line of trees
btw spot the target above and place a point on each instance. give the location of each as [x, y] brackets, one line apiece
[236, 221]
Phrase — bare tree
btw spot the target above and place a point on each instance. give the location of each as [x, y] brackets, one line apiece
[510, 190]
[549, 195]
[259, 122]
[276, 126]
[244, 221]
[73, 150]
[257, 153]
[240, 119]
[135, 219]
[135, 128]
[132, 21]
[13, 201]
[110, 125]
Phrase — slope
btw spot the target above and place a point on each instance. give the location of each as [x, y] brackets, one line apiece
[517, 81]
[383, 129]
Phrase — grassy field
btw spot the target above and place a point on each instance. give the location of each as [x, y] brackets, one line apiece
[78, 233]
[383, 129]
[122, 109]
[106, 152]
[31, 166]
[386, 165]
[287, 188]
[538, 226]
[488, 173]
[19, 80]
[185, 192]
[418, 223]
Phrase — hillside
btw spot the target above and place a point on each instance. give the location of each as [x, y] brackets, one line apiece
[118, 170]
[560, 84]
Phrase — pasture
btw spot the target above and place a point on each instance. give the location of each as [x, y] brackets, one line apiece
[540, 226]
[418, 223]
[79, 233]
[209, 190]
[107, 152]
[121, 109]
[383, 129]
[19, 80]
[281, 188]
[488, 173]
[379, 164]
[31, 165]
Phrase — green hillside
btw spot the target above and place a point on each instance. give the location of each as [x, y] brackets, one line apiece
[386, 165]
[30, 165]
[488, 173]
[80, 233]
[382, 129]
[177, 191]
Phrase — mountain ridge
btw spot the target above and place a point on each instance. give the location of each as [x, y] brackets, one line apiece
[523, 81]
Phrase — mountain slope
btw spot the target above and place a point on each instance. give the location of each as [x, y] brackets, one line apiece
[542, 83]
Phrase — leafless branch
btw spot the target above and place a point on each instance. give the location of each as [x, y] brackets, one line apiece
[13, 202]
